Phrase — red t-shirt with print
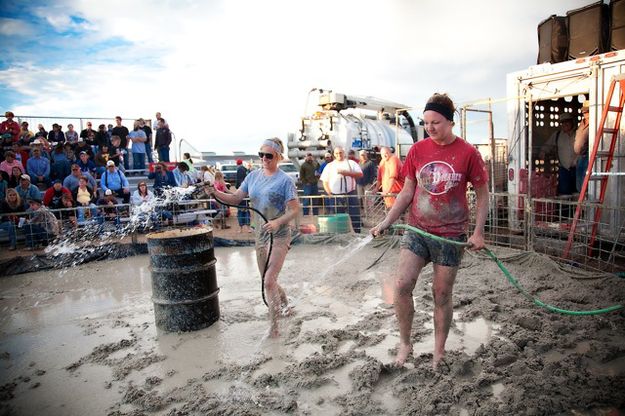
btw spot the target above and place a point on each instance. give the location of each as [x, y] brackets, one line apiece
[440, 205]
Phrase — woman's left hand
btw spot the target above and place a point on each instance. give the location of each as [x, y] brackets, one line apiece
[271, 226]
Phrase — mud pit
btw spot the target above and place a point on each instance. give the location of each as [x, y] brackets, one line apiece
[83, 341]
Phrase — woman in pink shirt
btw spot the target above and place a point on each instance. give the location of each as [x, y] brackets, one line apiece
[436, 173]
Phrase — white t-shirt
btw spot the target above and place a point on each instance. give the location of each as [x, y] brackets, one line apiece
[340, 184]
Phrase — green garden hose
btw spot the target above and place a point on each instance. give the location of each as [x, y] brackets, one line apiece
[511, 278]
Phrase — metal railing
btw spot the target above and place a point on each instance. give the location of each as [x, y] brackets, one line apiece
[544, 223]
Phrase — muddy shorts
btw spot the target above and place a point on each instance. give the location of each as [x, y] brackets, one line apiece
[445, 254]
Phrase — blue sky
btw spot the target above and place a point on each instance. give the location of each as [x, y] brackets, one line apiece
[226, 74]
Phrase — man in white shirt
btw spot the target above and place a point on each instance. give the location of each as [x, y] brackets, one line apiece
[339, 180]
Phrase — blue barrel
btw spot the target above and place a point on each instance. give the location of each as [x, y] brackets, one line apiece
[184, 281]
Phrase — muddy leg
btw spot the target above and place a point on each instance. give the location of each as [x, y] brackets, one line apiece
[442, 289]
[273, 291]
[410, 266]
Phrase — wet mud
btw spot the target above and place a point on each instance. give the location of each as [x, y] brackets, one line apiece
[83, 341]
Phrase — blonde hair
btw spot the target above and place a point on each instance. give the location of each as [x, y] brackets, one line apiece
[18, 201]
[277, 143]
[219, 175]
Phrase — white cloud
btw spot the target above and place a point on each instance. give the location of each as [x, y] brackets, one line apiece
[14, 27]
[226, 74]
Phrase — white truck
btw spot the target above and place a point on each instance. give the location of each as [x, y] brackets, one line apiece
[537, 96]
[353, 122]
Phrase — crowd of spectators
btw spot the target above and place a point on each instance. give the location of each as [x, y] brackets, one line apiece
[85, 171]
[83, 175]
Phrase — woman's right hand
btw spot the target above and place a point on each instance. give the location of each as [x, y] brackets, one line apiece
[209, 190]
[379, 229]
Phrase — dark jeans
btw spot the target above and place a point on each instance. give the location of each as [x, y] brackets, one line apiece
[243, 215]
[9, 227]
[310, 190]
[580, 171]
[36, 181]
[346, 203]
[163, 154]
[60, 169]
[566, 181]
[138, 161]
[148, 151]
[120, 194]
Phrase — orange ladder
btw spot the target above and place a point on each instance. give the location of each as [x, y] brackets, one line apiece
[603, 170]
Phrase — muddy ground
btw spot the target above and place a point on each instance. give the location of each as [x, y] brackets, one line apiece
[83, 341]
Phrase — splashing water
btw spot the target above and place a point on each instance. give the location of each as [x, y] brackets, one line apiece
[96, 235]
[350, 249]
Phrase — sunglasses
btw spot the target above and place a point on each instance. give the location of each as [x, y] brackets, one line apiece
[267, 156]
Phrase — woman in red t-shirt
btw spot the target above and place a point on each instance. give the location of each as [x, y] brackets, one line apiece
[436, 173]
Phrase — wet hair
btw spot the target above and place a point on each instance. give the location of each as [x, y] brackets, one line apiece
[442, 100]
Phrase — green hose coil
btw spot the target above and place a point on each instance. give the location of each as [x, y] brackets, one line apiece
[511, 278]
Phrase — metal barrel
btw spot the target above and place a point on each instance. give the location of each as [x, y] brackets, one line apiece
[184, 282]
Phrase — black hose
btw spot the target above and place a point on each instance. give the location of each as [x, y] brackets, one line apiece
[262, 277]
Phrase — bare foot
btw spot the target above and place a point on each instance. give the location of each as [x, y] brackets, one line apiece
[405, 350]
[438, 359]
[286, 310]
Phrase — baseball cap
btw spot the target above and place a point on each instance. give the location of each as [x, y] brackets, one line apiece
[566, 116]
[36, 141]
[108, 192]
[109, 163]
[83, 153]
[34, 199]
[25, 176]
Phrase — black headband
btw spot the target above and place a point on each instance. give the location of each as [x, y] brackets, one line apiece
[441, 109]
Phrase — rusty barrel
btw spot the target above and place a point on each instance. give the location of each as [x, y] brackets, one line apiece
[184, 282]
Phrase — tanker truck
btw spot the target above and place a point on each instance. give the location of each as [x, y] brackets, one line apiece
[334, 119]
